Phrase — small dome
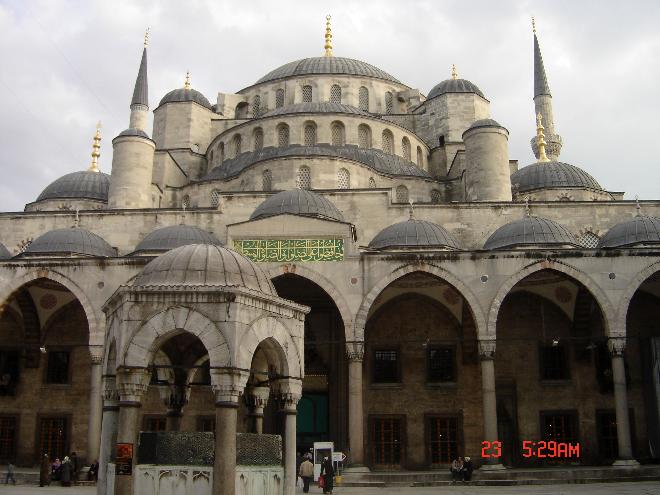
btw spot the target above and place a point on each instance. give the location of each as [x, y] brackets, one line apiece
[73, 241]
[327, 65]
[552, 174]
[637, 231]
[484, 123]
[175, 236]
[78, 185]
[298, 202]
[530, 232]
[4, 252]
[316, 107]
[134, 132]
[204, 265]
[183, 95]
[414, 234]
[454, 86]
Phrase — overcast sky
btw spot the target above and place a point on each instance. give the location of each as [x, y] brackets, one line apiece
[68, 64]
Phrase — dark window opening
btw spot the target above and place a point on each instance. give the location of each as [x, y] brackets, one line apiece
[387, 441]
[559, 426]
[441, 364]
[57, 369]
[608, 446]
[554, 362]
[206, 423]
[441, 141]
[604, 370]
[53, 437]
[442, 439]
[9, 372]
[8, 433]
[154, 423]
[386, 366]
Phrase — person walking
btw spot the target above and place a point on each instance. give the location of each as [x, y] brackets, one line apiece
[10, 473]
[306, 472]
[44, 470]
[93, 473]
[328, 473]
[66, 471]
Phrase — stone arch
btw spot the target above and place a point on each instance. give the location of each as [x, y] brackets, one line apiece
[326, 285]
[627, 295]
[450, 278]
[597, 293]
[96, 332]
[280, 347]
[143, 344]
[110, 357]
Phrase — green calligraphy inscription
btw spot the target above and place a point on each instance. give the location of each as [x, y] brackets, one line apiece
[263, 250]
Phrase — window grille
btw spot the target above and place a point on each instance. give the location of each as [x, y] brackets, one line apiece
[307, 93]
[363, 99]
[402, 194]
[608, 446]
[185, 202]
[589, 240]
[405, 148]
[310, 135]
[388, 142]
[237, 143]
[343, 179]
[372, 183]
[389, 102]
[387, 441]
[443, 439]
[258, 138]
[267, 180]
[559, 427]
[283, 135]
[8, 433]
[364, 136]
[335, 94]
[436, 197]
[279, 97]
[256, 106]
[53, 437]
[441, 364]
[386, 366]
[215, 198]
[337, 131]
[304, 179]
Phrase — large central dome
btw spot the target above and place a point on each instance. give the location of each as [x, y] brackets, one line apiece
[327, 65]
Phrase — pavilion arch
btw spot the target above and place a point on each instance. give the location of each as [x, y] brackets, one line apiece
[599, 296]
[325, 284]
[143, 344]
[441, 273]
[110, 357]
[628, 293]
[276, 341]
[96, 333]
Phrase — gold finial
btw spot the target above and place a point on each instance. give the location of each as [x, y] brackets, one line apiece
[96, 149]
[533, 25]
[186, 84]
[328, 37]
[540, 139]
[454, 73]
[146, 38]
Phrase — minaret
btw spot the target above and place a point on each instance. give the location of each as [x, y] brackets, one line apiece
[543, 105]
[96, 150]
[140, 101]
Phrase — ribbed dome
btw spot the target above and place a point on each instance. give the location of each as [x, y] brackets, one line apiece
[316, 107]
[79, 185]
[484, 123]
[414, 234]
[327, 65]
[454, 86]
[176, 236]
[4, 252]
[183, 94]
[298, 202]
[531, 232]
[134, 132]
[636, 231]
[204, 264]
[552, 174]
[74, 241]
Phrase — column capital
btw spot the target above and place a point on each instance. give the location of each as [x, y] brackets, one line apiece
[96, 354]
[257, 397]
[132, 383]
[355, 351]
[487, 349]
[228, 384]
[174, 397]
[289, 392]
[617, 346]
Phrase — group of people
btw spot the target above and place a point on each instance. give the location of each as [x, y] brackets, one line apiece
[461, 469]
[65, 471]
[306, 473]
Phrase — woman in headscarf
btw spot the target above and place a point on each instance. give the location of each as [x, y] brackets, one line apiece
[44, 471]
[328, 473]
[67, 471]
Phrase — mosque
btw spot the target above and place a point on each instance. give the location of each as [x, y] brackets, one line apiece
[331, 255]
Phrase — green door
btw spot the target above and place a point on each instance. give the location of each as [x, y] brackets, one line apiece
[312, 420]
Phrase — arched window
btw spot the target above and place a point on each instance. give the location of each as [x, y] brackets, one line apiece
[589, 240]
[256, 106]
[338, 134]
[215, 198]
[435, 196]
[335, 93]
[401, 194]
[389, 102]
[242, 110]
[236, 145]
[372, 183]
[405, 148]
[185, 202]
[388, 142]
[304, 178]
[364, 136]
[221, 152]
[363, 99]
[343, 179]
[420, 157]
[267, 180]
[307, 93]
[258, 138]
[282, 135]
[279, 98]
[310, 134]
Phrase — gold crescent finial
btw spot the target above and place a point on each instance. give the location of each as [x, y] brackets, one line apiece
[186, 84]
[146, 38]
[454, 73]
[96, 149]
[328, 37]
[540, 138]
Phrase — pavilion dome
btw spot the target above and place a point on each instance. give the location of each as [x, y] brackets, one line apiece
[185, 95]
[542, 175]
[454, 86]
[530, 232]
[414, 234]
[299, 202]
[175, 236]
[79, 185]
[73, 241]
[640, 230]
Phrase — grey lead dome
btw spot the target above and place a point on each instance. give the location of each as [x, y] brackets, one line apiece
[552, 174]
[530, 232]
[84, 184]
[316, 107]
[640, 230]
[185, 95]
[73, 241]
[454, 86]
[204, 265]
[414, 234]
[297, 202]
[175, 236]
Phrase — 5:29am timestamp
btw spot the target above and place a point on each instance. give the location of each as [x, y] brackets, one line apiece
[539, 449]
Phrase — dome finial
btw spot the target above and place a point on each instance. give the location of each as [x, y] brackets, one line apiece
[528, 210]
[533, 25]
[96, 149]
[186, 84]
[76, 221]
[454, 73]
[328, 37]
[638, 207]
[146, 38]
[540, 138]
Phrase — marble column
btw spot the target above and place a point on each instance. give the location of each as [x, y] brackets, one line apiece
[256, 399]
[227, 385]
[132, 384]
[289, 393]
[487, 357]
[95, 404]
[355, 356]
[617, 347]
[108, 430]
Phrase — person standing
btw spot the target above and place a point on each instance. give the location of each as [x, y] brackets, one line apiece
[66, 470]
[74, 466]
[44, 471]
[10, 473]
[93, 473]
[328, 473]
[56, 469]
[306, 472]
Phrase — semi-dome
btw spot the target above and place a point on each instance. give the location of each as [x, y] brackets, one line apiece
[204, 265]
[414, 234]
[298, 202]
[530, 232]
[640, 230]
[74, 241]
[4, 252]
[185, 95]
[78, 185]
[541, 175]
[454, 86]
[175, 236]
[316, 107]
[327, 65]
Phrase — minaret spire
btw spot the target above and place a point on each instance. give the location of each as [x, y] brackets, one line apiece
[96, 150]
[328, 37]
[140, 100]
[541, 86]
